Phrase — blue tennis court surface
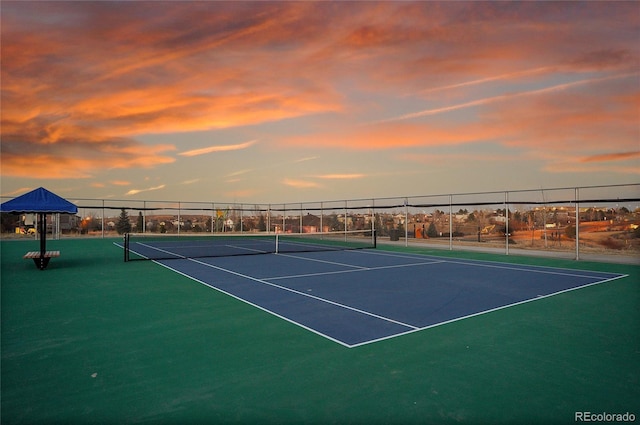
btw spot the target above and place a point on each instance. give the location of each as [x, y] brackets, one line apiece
[362, 296]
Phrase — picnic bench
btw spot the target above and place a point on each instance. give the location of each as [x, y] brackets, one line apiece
[41, 263]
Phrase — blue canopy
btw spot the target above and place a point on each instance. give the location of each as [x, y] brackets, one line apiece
[39, 201]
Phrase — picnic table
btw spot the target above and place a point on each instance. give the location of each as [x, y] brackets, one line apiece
[41, 261]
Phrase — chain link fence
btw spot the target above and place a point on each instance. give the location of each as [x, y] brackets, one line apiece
[573, 220]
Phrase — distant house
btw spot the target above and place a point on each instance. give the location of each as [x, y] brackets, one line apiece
[69, 222]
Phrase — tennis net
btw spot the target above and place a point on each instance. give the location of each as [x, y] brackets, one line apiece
[154, 246]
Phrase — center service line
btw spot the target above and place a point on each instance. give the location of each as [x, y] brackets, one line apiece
[305, 294]
[363, 269]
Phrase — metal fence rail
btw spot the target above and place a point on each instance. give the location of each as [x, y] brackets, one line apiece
[600, 219]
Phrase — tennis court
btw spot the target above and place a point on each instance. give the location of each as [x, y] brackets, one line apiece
[94, 339]
[327, 284]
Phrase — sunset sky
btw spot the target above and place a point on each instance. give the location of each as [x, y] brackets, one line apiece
[305, 101]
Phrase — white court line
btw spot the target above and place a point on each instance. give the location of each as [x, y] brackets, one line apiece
[412, 329]
[322, 261]
[248, 249]
[490, 310]
[363, 269]
[498, 265]
[284, 288]
[477, 263]
[194, 246]
[209, 285]
[159, 249]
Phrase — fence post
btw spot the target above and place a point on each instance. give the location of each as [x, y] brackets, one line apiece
[103, 219]
[372, 215]
[450, 222]
[345, 218]
[144, 217]
[577, 195]
[506, 224]
[406, 222]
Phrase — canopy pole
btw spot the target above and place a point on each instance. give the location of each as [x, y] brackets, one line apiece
[42, 221]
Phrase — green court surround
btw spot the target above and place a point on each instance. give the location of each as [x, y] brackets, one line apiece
[92, 339]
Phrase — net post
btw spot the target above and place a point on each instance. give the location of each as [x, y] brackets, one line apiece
[277, 242]
[374, 234]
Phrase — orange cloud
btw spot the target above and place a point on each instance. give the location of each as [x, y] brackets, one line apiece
[300, 184]
[607, 157]
[340, 176]
[19, 191]
[578, 167]
[218, 148]
[573, 123]
[561, 121]
[104, 97]
[136, 191]
[239, 173]
[71, 109]
[461, 157]
[485, 80]
[76, 159]
[505, 97]
[394, 135]
[612, 162]
[45, 167]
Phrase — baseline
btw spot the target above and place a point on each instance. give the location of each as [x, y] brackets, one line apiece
[284, 288]
[380, 302]
[342, 324]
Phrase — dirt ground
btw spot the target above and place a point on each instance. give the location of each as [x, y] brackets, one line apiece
[597, 237]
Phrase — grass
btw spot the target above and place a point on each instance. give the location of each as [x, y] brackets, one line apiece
[95, 340]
